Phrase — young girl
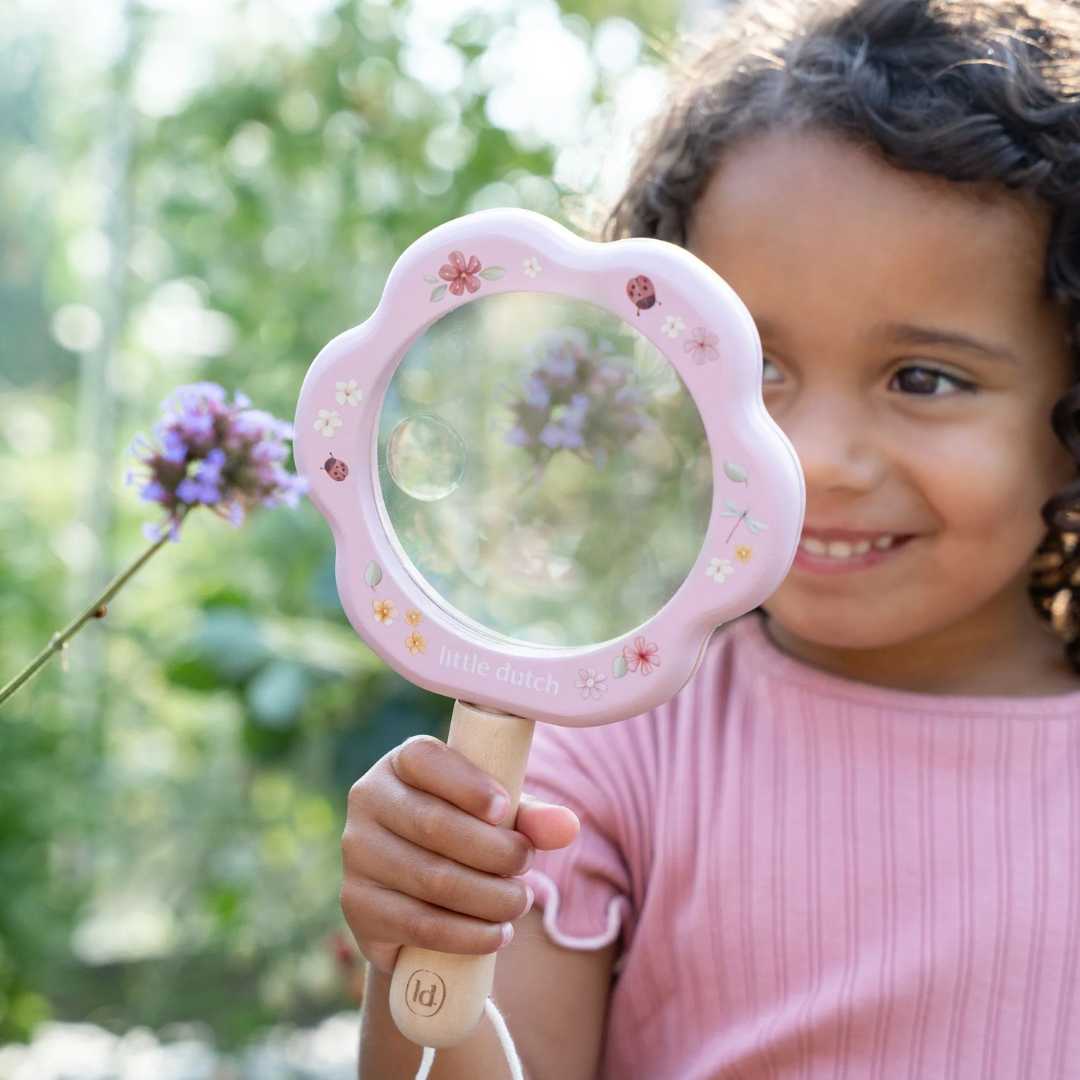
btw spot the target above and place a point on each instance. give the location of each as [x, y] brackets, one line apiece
[850, 847]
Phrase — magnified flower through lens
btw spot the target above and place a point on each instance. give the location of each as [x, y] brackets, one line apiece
[575, 397]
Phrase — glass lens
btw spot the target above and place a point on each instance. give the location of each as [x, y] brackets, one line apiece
[544, 469]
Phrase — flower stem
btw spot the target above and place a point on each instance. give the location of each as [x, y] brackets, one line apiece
[94, 610]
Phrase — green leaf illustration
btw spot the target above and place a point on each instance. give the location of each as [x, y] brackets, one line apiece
[438, 292]
[492, 273]
[734, 471]
[618, 666]
[373, 574]
[431, 279]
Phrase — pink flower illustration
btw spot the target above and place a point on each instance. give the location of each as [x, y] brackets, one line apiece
[701, 345]
[641, 654]
[461, 274]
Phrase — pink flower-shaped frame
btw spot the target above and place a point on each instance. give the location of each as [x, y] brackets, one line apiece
[697, 322]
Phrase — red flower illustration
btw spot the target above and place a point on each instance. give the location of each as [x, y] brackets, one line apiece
[461, 274]
[641, 654]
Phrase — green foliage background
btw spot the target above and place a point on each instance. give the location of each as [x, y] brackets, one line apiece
[170, 807]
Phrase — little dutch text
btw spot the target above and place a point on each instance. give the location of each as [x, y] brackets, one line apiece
[506, 672]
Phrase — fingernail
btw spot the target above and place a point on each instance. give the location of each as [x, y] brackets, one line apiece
[529, 860]
[508, 933]
[500, 807]
[528, 900]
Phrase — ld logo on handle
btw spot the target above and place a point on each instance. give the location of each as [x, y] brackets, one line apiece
[425, 993]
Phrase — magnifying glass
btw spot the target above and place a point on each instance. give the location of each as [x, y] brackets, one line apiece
[549, 475]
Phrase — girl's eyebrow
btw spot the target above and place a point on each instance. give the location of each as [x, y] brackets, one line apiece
[911, 334]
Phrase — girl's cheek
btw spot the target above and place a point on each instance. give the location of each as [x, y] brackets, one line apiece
[990, 481]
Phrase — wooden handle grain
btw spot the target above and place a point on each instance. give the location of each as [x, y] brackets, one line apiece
[437, 999]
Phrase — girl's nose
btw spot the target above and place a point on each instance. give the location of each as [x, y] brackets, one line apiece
[839, 445]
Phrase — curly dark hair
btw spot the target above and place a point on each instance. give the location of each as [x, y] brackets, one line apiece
[971, 90]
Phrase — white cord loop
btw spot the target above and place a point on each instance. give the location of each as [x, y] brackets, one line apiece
[501, 1030]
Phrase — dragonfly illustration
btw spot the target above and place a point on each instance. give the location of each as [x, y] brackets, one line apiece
[752, 524]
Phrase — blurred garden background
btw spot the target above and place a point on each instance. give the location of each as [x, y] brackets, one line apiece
[212, 189]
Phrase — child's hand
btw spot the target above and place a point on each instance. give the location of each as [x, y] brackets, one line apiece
[425, 862]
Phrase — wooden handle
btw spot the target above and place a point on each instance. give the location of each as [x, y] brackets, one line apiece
[437, 999]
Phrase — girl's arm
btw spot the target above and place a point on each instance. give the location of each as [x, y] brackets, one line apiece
[554, 1001]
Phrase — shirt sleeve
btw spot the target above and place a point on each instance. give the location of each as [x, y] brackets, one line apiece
[588, 890]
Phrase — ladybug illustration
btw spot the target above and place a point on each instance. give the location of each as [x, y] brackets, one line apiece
[642, 291]
[335, 469]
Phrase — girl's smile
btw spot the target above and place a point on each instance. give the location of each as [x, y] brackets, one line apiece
[839, 551]
[913, 358]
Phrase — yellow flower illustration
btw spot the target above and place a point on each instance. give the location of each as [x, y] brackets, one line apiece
[416, 643]
[413, 617]
[744, 553]
[383, 611]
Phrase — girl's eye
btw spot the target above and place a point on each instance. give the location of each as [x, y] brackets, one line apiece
[770, 373]
[928, 382]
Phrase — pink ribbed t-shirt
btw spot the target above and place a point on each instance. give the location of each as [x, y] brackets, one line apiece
[814, 878]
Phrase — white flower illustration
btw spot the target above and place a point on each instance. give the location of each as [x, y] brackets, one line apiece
[591, 683]
[347, 393]
[531, 267]
[673, 326]
[327, 422]
[719, 569]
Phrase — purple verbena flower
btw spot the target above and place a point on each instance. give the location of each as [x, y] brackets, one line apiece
[152, 492]
[552, 436]
[174, 447]
[577, 396]
[209, 469]
[537, 393]
[560, 365]
[170, 527]
[207, 451]
[576, 410]
[572, 438]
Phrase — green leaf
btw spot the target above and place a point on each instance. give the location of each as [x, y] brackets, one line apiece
[438, 292]
[492, 273]
[275, 696]
[194, 673]
[618, 666]
[736, 472]
[373, 574]
[431, 279]
[230, 641]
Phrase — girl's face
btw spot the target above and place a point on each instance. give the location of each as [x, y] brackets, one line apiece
[913, 360]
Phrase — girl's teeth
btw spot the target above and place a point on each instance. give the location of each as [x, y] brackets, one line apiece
[841, 549]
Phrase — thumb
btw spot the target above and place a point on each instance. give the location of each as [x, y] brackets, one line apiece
[547, 826]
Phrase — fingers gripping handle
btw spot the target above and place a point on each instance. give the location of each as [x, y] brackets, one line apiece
[437, 999]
